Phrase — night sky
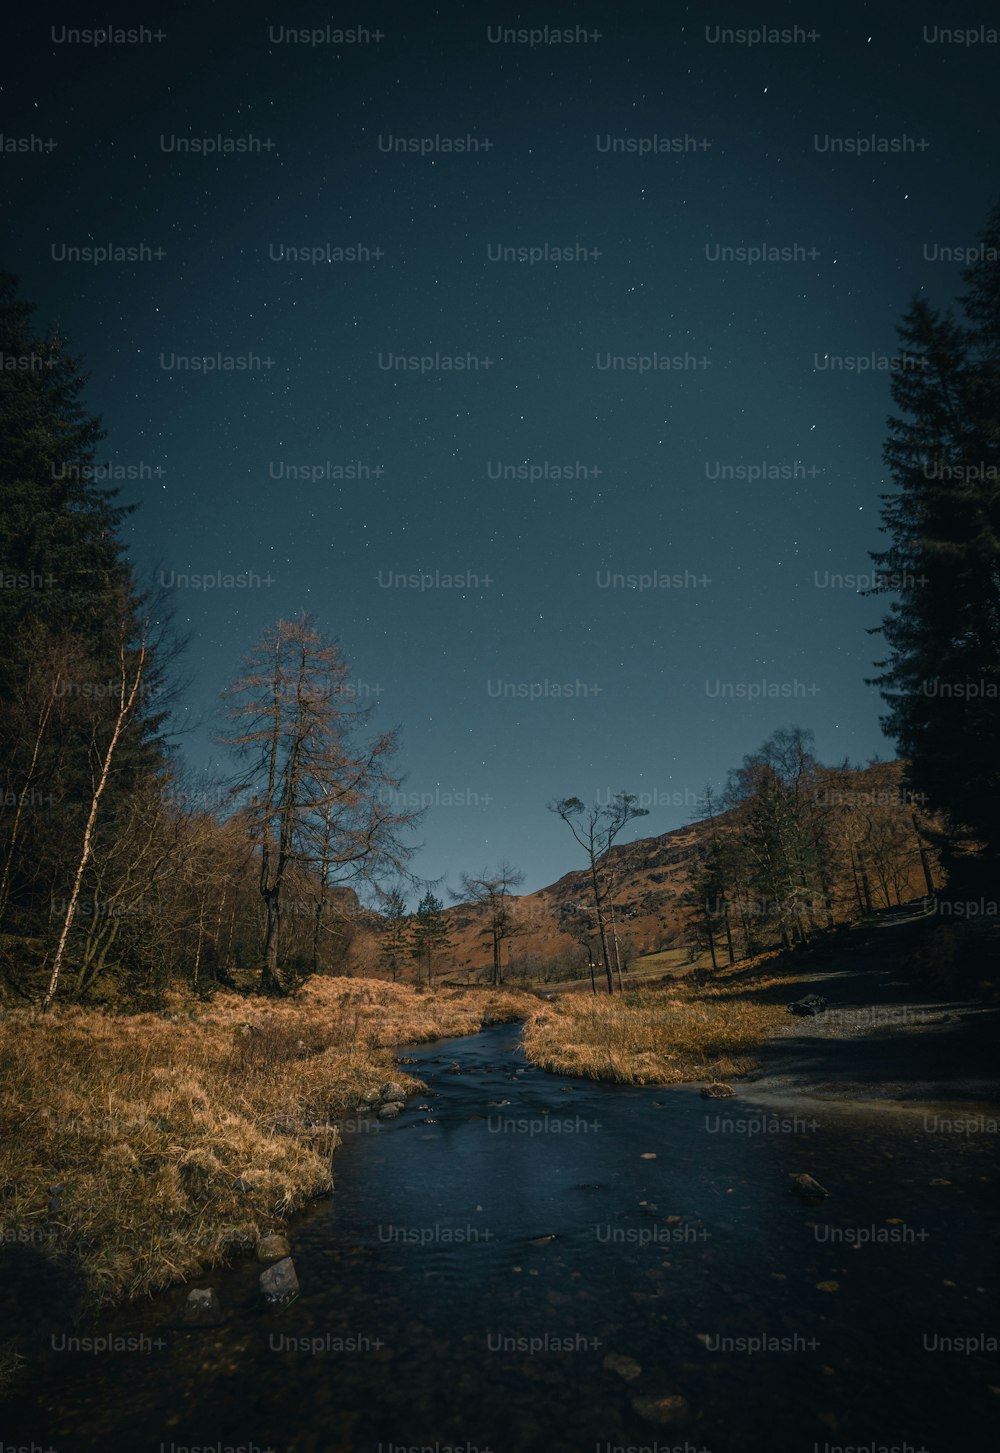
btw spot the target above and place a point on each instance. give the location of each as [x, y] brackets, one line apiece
[636, 685]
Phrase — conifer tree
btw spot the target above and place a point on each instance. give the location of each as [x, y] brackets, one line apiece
[430, 935]
[394, 933]
[941, 676]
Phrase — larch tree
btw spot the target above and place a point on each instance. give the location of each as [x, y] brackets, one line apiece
[491, 892]
[319, 796]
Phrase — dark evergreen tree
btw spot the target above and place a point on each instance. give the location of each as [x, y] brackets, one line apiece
[394, 934]
[941, 676]
[430, 934]
[68, 605]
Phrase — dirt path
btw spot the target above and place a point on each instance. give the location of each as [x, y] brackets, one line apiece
[882, 1036]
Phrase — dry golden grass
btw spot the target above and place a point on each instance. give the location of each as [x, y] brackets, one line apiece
[688, 1030]
[179, 1139]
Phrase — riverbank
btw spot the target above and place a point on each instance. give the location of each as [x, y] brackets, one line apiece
[544, 1262]
[705, 1026]
[903, 1020]
[138, 1150]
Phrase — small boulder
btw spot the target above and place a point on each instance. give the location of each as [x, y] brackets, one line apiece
[717, 1091]
[391, 1091]
[626, 1367]
[811, 1004]
[667, 1408]
[202, 1309]
[808, 1189]
[279, 1282]
[272, 1248]
[390, 1111]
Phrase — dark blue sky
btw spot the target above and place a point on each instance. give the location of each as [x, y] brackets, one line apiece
[648, 669]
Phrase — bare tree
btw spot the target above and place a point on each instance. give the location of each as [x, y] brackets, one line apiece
[595, 829]
[318, 797]
[491, 891]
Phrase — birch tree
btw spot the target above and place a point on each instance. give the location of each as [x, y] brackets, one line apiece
[131, 665]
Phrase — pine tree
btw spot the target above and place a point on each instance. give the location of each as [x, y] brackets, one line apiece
[69, 606]
[430, 935]
[58, 528]
[941, 677]
[711, 881]
[394, 934]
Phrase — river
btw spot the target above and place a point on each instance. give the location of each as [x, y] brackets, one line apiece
[481, 1257]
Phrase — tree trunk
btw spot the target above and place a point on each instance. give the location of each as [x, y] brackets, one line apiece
[729, 933]
[269, 972]
[599, 910]
[711, 936]
[857, 882]
[43, 722]
[614, 937]
[124, 711]
[925, 861]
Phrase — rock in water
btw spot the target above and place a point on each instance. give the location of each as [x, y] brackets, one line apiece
[626, 1367]
[272, 1248]
[668, 1408]
[809, 1189]
[279, 1283]
[390, 1111]
[811, 1004]
[202, 1308]
[717, 1091]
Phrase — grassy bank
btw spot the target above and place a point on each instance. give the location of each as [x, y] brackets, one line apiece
[694, 1028]
[136, 1151]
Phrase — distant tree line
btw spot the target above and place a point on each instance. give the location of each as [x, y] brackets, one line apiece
[792, 847]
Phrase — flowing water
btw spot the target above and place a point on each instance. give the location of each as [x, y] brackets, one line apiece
[481, 1257]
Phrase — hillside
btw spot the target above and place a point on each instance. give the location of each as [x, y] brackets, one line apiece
[866, 811]
[655, 875]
